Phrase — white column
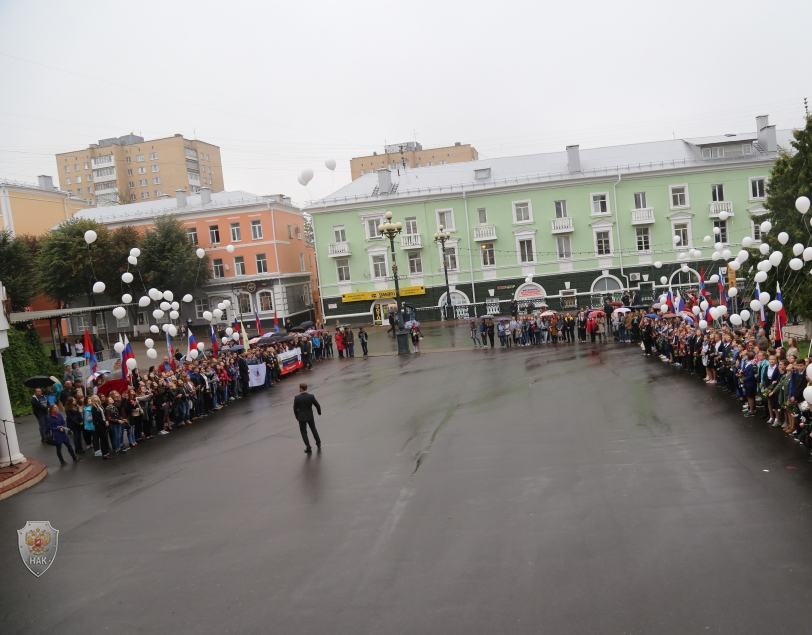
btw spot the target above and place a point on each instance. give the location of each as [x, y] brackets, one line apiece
[9, 447]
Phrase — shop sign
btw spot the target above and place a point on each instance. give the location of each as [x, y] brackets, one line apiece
[380, 295]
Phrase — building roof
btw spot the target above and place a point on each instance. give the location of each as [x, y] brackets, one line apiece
[30, 316]
[550, 166]
[22, 185]
[150, 209]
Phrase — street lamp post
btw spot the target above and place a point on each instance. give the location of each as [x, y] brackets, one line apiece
[390, 230]
[441, 237]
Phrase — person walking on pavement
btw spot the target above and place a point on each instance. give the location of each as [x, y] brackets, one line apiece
[303, 410]
[59, 429]
[39, 404]
[363, 337]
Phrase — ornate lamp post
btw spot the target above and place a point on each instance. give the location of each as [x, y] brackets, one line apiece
[440, 238]
[390, 230]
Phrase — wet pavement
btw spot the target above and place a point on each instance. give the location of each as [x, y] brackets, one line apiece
[578, 489]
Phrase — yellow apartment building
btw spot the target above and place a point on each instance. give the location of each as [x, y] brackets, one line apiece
[128, 169]
[26, 208]
[411, 155]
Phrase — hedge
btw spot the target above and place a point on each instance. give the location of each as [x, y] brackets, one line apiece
[24, 357]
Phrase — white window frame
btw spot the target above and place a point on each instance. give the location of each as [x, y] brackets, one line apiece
[747, 149]
[446, 228]
[407, 225]
[750, 188]
[383, 253]
[191, 235]
[755, 225]
[139, 158]
[302, 263]
[239, 261]
[558, 249]
[256, 230]
[562, 207]
[338, 270]
[529, 204]
[414, 254]
[713, 192]
[482, 212]
[264, 293]
[339, 233]
[644, 199]
[671, 196]
[215, 228]
[606, 291]
[201, 305]
[153, 156]
[679, 219]
[214, 266]
[718, 237]
[592, 212]
[525, 234]
[142, 170]
[235, 232]
[156, 168]
[603, 226]
[264, 262]
[298, 232]
[377, 217]
[647, 230]
[482, 255]
[448, 245]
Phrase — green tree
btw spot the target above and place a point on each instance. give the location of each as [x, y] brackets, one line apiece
[17, 270]
[168, 259]
[25, 356]
[790, 178]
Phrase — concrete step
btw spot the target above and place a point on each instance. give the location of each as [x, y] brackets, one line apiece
[14, 479]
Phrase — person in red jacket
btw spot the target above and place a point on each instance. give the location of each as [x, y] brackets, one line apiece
[340, 342]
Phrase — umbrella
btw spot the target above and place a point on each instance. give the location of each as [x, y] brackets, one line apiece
[73, 360]
[656, 305]
[503, 319]
[622, 310]
[595, 312]
[615, 303]
[307, 324]
[237, 348]
[547, 313]
[688, 318]
[669, 315]
[296, 329]
[487, 317]
[653, 316]
[255, 340]
[93, 377]
[116, 374]
[39, 381]
[119, 385]
[412, 323]
[346, 326]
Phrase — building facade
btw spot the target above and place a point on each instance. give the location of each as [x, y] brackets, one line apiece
[28, 208]
[129, 169]
[271, 268]
[411, 155]
[561, 229]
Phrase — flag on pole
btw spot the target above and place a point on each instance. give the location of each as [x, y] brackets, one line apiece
[259, 324]
[170, 350]
[669, 301]
[90, 354]
[722, 294]
[215, 346]
[192, 343]
[245, 336]
[780, 317]
[762, 317]
[126, 354]
[679, 304]
[275, 321]
[236, 327]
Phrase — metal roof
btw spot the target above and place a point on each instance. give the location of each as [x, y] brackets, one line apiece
[30, 316]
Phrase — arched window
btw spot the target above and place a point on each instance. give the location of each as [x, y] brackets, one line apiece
[243, 303]
[265, 299]
[606, 283]
[682, 278]
[457, 297]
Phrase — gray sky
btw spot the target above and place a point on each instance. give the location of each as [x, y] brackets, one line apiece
[281, 86]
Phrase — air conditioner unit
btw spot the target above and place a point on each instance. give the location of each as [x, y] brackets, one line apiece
[634, 277]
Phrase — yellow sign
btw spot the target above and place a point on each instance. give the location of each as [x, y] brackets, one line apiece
[731, 277]
[380, 295]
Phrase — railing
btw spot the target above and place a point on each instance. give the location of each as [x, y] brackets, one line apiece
[107, 158]
[643, 215]
[718, 207]
[338, 249]
[485, 232]
[410, 240]
[562, 224]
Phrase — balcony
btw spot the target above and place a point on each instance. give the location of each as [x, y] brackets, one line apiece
[643, 216]
[718, 207]
[562, 225]
[338, 250]
[410, 241]
[485, 232]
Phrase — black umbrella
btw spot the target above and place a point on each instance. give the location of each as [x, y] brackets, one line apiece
[271, 339]
[39, 381]
[306, 325]
[296, 329]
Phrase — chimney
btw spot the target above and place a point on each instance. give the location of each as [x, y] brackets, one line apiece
[766, 134]
[384, 181]
[45, 182]
[205, 195]
[180, 195]
[573, 159]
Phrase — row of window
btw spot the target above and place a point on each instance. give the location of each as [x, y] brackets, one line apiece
[219, 268]
[243, 303]
[396, 166]
[236, 232]
[719, 152]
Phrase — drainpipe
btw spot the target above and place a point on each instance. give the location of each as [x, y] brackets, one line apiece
[276, 256]
[470, 257]
[617, 222]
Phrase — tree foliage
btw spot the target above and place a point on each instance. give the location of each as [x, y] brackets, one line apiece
[790, 178]
[25, 356]
[17, 270]
[168, 259]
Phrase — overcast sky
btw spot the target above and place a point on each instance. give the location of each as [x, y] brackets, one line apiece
[281, 86]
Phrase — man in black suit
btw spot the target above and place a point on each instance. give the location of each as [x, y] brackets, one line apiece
[303, 409]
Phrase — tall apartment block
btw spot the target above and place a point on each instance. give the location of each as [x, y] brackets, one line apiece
[127, 169]
[398, 156]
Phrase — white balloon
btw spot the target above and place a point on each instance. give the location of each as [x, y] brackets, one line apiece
[760, 277]
[808, 389]
[118, 347]
[225, 340]
[229, 331]
[765, 226]
[783, 238]
[802, 204]
[227, 302]
[703, 305]
[717, 231]
[174, 315]
[126, 298]
[165, 306]
[682, 255]
[808, 254]
[131, 363]
[119, 312]
[714, 313]
[330, 164]
[175, 306]
[301, 180]
[713, 279]
[732, 292]
[726, 254]
[152, 353]
[722, 310]
[188, 297]
[719, 246]
[132, 260]
[745, 314]
[200, 346]
[168, 295]
[230, 249]
[663, 280]
[716, 255]
[684, 268]
[747, 241]
[809, 372]
[126, 277]
[707, 239]
[677, 239]
[755, 306]
[90, 236]
[173, 330]
[695, 310]
[775, 258]
[143, 301]
[207, 315]
[193, 353]
[98, 287]
[775, 306]
[796, 264]
[200, 252]
[735, 265]
[735, 320]
[154, 294]
[764, 248]
[766, 265]
[797, 249]
[697, 253]
[743, 255]
[217, 313]
[764, 298]
[724, 216]
[157, 314]
[307, 175]
[528, 279]
[149, 342]
[221, 306]
[235, 337]
[153, 328]
[703, 324]
[165, 327]
[658, 264]
[135, 252]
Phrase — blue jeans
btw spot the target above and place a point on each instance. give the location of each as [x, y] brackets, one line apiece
[545, 335]
[117, 436]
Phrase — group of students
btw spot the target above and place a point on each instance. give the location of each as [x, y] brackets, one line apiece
[767, 377]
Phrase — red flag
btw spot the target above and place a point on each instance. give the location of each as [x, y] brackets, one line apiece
[90, 354]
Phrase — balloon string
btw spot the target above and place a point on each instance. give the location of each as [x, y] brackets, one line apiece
[90, 259]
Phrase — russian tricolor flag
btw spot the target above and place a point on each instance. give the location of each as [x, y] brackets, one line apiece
[192, 342]
[780, 316]
[90, 354]
[126, 354]
[215, 346]
[679, 304]
[762, 316]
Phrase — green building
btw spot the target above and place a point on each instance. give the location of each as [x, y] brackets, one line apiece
[562, 229]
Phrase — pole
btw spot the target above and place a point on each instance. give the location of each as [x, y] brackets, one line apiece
[397, 286]
[447, 287]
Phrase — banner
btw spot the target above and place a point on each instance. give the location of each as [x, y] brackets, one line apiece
[290, 360]
[256, 375]
[378, 295]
